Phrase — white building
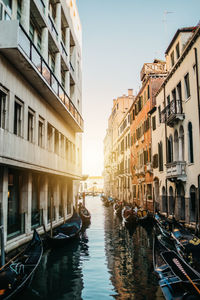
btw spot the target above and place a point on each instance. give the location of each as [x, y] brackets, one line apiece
[40, 114]
[176, 130]
[93, 184]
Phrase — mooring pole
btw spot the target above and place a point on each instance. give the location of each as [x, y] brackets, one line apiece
[2, 246]
[51, 215]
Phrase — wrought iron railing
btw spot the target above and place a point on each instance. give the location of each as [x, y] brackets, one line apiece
[35, 57]
[173, 108]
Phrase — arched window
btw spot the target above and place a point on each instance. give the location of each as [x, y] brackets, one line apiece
[176, 146]
[171, 201]
[190, 143]
[192, 203]
[170, 149]
[164, 200]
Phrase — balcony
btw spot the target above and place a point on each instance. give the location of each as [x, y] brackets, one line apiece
[176, 170]
[17, 47]
[152, 68]
[173, 113]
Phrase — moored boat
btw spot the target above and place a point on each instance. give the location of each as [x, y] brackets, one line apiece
[117, 208]
[17, 274]
[144, 217]
[84, 214]
[173, 281]
[66, 232]
[129, 215]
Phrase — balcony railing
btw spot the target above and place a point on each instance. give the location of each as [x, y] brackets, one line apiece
[52, 27]
[41, 5]
[71, 66]
[172, 113]
[64, 52]
[35, 57]
[176, 170]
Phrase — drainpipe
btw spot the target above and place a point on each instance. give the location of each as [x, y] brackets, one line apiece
[198, 99]
[166, 148]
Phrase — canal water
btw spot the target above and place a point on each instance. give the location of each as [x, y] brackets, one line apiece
[107, 262]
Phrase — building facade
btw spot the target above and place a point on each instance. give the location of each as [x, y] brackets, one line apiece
[120, 108]
[124, 177]
[177, 133]
[152, 76]
[40, 114]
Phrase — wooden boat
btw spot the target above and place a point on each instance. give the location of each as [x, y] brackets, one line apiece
[144, 217]
[173, 281]
[129, 215]
[117, 208]
[18, 272]
[187, 245]
[66, 232]
[84, 214]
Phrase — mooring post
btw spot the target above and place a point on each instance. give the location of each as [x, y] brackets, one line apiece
[2, 246]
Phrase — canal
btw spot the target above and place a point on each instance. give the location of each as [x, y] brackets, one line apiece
[107, 262]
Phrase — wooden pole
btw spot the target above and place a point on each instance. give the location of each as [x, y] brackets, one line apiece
[2, 245]
[51, 215]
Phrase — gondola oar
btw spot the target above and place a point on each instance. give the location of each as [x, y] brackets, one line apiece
[169, 257]
[175, 260]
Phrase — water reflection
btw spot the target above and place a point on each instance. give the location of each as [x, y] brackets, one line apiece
[129, 256]
[109, 261]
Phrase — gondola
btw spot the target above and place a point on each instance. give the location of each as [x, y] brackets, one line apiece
[18, 272]
[117, 208]
[128, 215]
[65, 232]
[144, 217]
[84, 214]
[187, 245]
[173, 281]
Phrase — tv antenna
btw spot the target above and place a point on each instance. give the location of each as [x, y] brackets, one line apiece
[165, 19]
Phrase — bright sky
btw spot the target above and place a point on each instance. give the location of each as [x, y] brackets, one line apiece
[119, 36]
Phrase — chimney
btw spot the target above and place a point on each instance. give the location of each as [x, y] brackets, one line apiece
[130, 92]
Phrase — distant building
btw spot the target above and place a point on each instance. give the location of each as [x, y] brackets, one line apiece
[40, 114]
[120, 108]
[92, 184]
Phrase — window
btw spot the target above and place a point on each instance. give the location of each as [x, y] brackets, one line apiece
[39, 41]
[187, 86]
[1, 11]
[170, 149]
[31, 31]
[177, 51]
[8, 4]
[19, 10]
[50, 136]
[134, 191]
[41, 132]
[154, 123]
[159, 113]
[63, 78]
[2, 110]
[190, 143]
[172, 58]
[148, 92]
[56, 142]
[31, 117]
[18, 117]
[160, 156]
[6, 16]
